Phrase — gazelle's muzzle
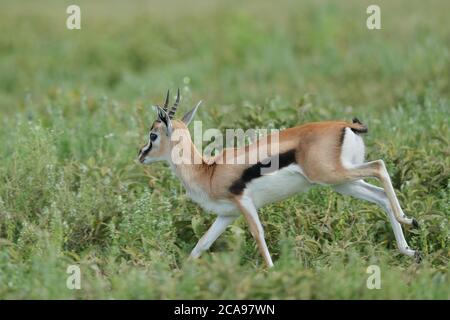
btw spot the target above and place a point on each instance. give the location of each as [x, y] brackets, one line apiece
[141, 157]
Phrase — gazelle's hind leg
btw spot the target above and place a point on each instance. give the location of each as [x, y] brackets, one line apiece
[362, 190]
[378, 170]
[250, 213]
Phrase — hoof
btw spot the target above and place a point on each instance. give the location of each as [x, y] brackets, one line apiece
[415, 223]
[418, 256]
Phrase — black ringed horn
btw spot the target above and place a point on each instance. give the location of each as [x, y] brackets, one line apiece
[175, 106]
[166, 103]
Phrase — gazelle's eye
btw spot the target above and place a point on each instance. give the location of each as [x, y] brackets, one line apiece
[153, 136]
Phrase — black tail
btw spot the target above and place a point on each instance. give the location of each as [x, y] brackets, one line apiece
[356, 120]
[358, 126]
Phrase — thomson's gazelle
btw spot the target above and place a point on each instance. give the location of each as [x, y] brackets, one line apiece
[324, 153]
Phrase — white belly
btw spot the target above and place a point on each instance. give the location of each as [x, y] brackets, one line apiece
[277, 186]
[219, 207]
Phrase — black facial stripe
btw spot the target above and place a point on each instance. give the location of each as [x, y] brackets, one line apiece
[146, 151]
[254, 172]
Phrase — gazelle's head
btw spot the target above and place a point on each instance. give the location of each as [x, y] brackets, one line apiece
[159, 145]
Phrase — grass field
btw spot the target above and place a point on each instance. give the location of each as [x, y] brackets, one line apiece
[75, 108]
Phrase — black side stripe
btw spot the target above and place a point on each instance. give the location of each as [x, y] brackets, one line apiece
[254, 172]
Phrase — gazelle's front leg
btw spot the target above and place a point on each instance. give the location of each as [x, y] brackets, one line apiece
[216, 229]
[250, 213]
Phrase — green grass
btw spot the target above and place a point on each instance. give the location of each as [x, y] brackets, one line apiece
[75, 107]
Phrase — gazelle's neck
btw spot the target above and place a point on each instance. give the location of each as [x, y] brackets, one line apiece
[187, 162]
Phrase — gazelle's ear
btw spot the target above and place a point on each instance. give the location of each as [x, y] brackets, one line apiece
[187, 118]
[164, 118]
